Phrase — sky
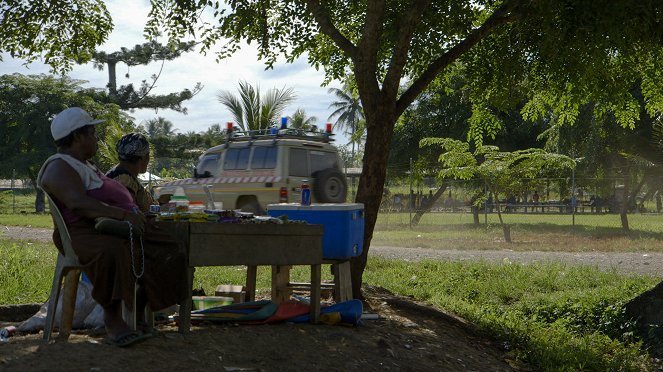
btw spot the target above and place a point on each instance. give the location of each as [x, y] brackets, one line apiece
[129, 18]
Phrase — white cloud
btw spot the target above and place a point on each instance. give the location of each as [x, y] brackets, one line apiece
[129, 17]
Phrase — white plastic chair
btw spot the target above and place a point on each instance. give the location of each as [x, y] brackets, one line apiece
[69, 265]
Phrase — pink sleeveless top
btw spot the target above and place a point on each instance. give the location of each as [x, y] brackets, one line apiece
[111, 192]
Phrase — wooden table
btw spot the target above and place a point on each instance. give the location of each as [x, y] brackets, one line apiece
[220, 244]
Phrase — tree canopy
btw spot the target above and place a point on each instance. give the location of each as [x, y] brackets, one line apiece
[127, 96]
[27, 106]
[61, 32]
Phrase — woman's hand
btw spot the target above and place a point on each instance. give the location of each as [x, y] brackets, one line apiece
[137, 221]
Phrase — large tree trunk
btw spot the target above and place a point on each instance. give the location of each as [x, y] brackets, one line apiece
[380, 127]
[647, 310]
[433, 199]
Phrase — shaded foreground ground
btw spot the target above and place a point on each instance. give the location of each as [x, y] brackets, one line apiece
[408, 336]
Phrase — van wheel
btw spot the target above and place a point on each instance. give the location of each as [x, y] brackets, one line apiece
[330, 186]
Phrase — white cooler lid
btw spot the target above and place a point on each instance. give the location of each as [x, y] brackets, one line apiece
[316, 207]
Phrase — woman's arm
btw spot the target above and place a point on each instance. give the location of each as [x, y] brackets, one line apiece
[63, 183]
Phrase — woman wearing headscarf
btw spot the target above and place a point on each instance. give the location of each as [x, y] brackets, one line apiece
[82, 194]
[133, 150]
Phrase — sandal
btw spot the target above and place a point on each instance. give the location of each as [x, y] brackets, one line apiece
[128, 338]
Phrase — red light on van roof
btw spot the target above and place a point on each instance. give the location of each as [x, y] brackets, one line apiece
[328, 127]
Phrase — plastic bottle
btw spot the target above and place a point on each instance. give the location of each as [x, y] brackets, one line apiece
[180, 200]
[306, 193]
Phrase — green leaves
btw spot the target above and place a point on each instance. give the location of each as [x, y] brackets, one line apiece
[60, 33]
[502, 171]
[253, 111]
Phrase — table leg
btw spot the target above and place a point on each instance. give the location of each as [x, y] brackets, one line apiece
[342, 282]
[316, 276]
[251, 275]
[185, 308]
[280, 282]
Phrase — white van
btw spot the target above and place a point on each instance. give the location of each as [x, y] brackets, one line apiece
[250, 171]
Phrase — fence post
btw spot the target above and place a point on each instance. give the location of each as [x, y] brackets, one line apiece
[574, 201]
[409, 203]
[485, 205]
[13, 192]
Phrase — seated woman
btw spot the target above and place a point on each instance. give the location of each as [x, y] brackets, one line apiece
[133, 150]
[83, 193]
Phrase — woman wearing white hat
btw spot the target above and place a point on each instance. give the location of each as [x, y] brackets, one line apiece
[83, 193]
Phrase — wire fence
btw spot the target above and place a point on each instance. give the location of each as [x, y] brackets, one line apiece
[553, 201]
[556, 202]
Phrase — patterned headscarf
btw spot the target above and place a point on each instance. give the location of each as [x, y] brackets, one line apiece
[132, 146]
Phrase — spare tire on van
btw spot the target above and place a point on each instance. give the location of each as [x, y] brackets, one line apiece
[330, 186]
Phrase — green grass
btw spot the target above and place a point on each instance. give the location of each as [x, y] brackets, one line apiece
[26, 271]
[528, 232]
[28, 219]
[555, 316]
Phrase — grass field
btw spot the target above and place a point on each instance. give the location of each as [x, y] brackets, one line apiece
[528, 232]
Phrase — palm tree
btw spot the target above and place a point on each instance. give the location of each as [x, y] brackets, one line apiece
[348, 112]
[159, 127]
[299, 120]
[253, 111]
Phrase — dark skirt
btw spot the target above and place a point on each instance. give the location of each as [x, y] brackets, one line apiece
[107, 261]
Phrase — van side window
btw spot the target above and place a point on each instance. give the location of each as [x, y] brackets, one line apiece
[237, 158]
[322, 160]
[264, 157]
[298, 163]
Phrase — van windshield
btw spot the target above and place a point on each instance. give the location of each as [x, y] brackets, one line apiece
[208, 163]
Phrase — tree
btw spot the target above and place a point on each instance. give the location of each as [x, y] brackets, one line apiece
[126, 96]
[59, 33]
[27, 106]
[347, 111]
[253, 111]
[612, 153]
[565, 52]
[500, 171]
[159, 127]
[299, 120]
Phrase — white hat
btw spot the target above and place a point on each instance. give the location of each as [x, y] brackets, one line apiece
[69, 120]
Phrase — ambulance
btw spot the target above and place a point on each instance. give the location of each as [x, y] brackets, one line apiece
[255, 168]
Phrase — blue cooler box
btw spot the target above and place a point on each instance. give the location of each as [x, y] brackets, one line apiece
[344, 225]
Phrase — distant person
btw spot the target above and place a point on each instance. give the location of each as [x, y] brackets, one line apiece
[535, 200]
[133, 150]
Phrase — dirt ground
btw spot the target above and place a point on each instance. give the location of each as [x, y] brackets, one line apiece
[407, 336]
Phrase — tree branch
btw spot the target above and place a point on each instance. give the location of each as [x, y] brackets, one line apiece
[327, 27]
[406, 29]
[370, 38]
[501, 16]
